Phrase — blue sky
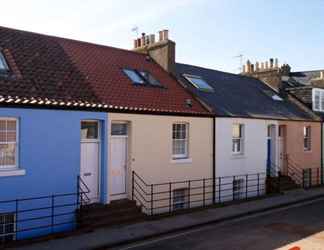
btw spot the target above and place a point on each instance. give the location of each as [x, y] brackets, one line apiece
[207, 33]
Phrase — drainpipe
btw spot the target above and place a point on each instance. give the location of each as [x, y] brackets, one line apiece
[214, 160]
[322, 182]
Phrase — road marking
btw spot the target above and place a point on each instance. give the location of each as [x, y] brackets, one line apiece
[209, 226]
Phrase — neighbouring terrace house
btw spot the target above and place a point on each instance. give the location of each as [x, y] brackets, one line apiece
[257, 128]
[76, 115]
[305, 90]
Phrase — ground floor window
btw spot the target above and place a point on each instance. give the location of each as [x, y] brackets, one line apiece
[238, 189]
[7, 227]
[180, 198]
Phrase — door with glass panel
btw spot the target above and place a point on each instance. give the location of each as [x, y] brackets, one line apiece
[118, 164]
[90, 147]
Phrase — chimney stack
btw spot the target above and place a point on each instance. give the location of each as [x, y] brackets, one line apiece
[162, 51]
[322, 75]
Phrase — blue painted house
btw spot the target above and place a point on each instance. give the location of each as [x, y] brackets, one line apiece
[48, 137]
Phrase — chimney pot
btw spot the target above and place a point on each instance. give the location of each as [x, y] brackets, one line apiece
[248, 66]
[271, 63]
[165, 35]
[252, 68]
[152, 38]
[139, 42]
[262, 65]
[276, 63]
[160, 35]
[322, 75]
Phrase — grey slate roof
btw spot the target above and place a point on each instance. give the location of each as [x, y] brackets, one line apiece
[300, 85]
[240, 96]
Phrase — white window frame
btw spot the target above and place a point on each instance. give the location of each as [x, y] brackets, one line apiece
[238, 188]
[320, 105]
[13, 234]
[186, 141]
[307, 137]
[10, 167]
[241, 139]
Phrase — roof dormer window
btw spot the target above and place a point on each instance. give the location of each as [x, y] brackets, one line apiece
[3, 63]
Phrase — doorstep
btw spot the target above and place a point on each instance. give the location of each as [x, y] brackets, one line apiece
[104, 238]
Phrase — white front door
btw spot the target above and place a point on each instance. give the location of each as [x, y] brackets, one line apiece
[118, 164]
[89, 169]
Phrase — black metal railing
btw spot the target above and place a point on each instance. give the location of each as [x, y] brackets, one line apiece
[172, 196]
[36, 216]
[293, 170]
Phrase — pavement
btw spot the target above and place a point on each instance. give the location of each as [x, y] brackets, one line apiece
[299, 227]
[105, 238]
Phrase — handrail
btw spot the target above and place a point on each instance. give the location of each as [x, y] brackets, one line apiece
[83, 195]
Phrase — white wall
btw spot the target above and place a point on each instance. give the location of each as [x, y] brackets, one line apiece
[253, 160]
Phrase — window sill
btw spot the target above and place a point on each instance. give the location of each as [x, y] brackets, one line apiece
[181, 161]
[238, 156]
[12, 172]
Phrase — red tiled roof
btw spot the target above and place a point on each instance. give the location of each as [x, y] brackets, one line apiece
[52, 70]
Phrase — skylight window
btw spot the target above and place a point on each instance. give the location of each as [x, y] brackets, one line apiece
[149, 78]
[3, 63]
[141, 77]
[199, 83]
[134, 76]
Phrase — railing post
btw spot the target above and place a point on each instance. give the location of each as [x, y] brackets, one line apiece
[133, 181]
[78, 191]
[303, 176]
[170, 197]
[204, 196]
[151, 199]
[310, 178]
[246, 186]
[16, 219]
[52, 213]
[233, 193]
[279, 181]
[189, 193]
[258, 184]
[219, 189]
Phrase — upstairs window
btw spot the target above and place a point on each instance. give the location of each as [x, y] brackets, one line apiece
[318, 99]
[237, 138]
[8, 143]
[134, 76]
[3, 63]
[180, 140]
[199, 83]
[149, 78]
[307, 138]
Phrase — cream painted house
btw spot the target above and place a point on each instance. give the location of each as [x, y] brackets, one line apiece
[146, 144]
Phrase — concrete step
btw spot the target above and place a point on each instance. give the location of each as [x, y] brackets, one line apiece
[105, 215]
